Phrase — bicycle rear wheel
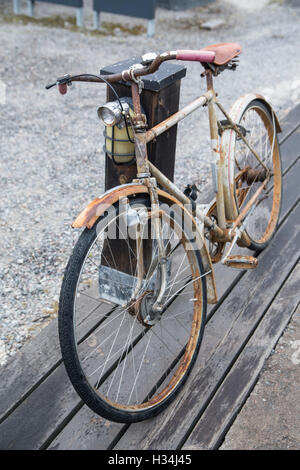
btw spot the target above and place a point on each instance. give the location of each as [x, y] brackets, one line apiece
[246, 173]
[124, 368]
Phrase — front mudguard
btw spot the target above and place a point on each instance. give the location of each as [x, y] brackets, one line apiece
[96, 208]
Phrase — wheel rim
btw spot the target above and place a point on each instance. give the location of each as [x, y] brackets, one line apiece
[260, 135]
[133, 367]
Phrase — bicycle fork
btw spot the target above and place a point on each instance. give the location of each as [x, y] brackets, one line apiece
[144, 175]
[162, 259]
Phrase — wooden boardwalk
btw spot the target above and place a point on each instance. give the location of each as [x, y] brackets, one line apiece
[40, 410]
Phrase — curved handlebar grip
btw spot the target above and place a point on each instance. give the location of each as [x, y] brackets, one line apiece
[50, 85]
[198, 56]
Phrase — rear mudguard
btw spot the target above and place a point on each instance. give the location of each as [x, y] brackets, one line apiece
[96, 208]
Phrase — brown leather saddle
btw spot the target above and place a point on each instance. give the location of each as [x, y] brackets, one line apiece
[224, 52]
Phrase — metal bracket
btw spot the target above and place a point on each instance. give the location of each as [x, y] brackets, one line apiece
[225, 124]
[217, 69]
[135, 79]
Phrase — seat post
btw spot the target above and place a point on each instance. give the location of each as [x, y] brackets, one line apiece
[211, 110]
[209, 79]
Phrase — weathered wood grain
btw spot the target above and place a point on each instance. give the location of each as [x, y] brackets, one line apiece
[38, 415]
[84, 419]
[80, 432]
[289, 123]
[56, 404]
[32, 364]
[233, 393]
[83, 429]
[225, 336]
[290, 149]
[290, 192]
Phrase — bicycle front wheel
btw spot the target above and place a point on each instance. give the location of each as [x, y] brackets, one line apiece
[246, 173]
[125, 367]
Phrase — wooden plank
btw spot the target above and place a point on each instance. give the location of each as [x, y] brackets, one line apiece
[80, 432]
[289, 122]
[225, 336]
[134, 8]
[31, 423]
[38, 415]
[85, 426]
[214, 423]
[290, 149]
[26, 369]
[36, 360]
[47, 409]
[290, 192]
[86, 431]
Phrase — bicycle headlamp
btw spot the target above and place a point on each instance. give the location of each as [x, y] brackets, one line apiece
[111, 112]
[118, 133]
[119, 144]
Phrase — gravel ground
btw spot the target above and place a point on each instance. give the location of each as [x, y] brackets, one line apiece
[51, 159]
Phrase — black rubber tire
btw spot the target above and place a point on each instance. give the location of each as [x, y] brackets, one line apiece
[68, 342]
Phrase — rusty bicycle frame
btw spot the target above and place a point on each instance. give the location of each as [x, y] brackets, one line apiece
[228, 226]
[137, 284]
[145, 168]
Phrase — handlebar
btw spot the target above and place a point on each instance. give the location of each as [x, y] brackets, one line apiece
[149, 64]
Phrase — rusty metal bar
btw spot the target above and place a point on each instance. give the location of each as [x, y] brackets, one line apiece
[136, 101]
[139, 131]
[175, 118]
[242, 214]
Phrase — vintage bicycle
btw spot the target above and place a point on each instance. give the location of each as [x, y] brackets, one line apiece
[134, 295]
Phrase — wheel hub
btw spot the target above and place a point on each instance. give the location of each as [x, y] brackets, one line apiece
[142, 309]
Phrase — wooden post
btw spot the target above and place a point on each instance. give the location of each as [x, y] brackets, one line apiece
[159, 99]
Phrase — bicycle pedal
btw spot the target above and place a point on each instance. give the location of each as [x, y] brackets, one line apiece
[240, 262]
